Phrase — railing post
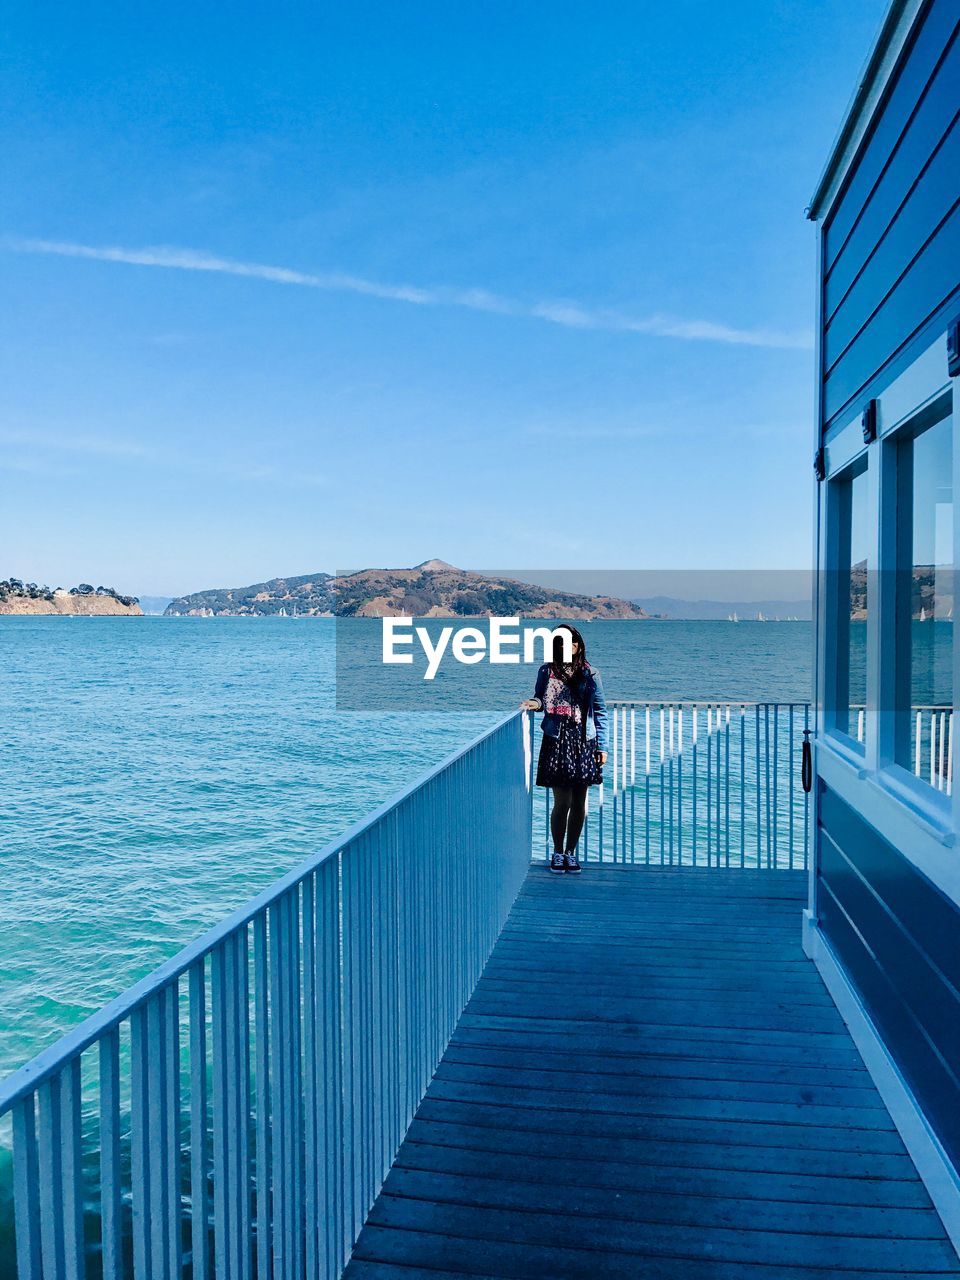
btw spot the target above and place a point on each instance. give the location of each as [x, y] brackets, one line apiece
[111, 1227]
[26, 1190]
[199, 1119]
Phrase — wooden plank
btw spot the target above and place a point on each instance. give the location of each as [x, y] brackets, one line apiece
[668, 966]
[548, 1227]
[721, 1122]
[656, 962]
[673, 914]
[565, 903]
[573, 1076]
[577, 1005]
[696, 953]
[488, 1153]
[653, 1042]
[423, 1253]
[640, 1066]
[724, 990]
[571, 1095]
[579, 1135]
[654, 948]
[701, 880]
[665, 1013]
[651, 1079]
[615, 948]
[737, 936]
[498, 1187]
[519, 968]
[360, 1270]
[657, 1031]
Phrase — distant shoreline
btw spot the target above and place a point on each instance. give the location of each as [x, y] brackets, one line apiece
[474, 621]
[432, 589]
[68, 606]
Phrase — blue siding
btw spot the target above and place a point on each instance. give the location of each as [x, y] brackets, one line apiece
[845, 258]
[920, 222]
[891, 243]
[896, 936]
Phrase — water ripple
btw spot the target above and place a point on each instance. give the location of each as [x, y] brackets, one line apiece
[156, 774]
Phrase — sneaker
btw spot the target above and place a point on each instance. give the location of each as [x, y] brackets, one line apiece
[558, 864]
[570, 864]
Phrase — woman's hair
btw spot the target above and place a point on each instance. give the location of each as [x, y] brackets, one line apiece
[562, 669]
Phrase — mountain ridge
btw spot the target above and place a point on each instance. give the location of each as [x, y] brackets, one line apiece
[434, 588]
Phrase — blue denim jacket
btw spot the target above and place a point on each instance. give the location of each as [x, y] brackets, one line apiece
[592, 702]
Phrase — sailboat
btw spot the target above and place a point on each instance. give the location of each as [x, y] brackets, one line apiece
[732, 617]
[923, 614]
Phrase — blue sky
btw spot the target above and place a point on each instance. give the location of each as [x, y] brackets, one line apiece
[299, 287]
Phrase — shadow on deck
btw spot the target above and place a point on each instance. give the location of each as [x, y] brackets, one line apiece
[651, 1080]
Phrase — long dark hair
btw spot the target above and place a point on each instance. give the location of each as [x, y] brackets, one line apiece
[572, 672]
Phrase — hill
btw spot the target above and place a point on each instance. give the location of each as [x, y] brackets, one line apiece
[306, 596]
[19, 599]
[433, 589]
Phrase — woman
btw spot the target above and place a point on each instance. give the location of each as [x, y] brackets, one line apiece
[574, 747]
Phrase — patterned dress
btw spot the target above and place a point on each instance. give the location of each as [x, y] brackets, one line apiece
[570, 759]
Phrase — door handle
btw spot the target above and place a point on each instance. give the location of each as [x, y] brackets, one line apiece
[806, 763]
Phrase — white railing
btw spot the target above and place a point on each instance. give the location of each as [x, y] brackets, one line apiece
[698, 784]
[931, 743]
[234, 1114]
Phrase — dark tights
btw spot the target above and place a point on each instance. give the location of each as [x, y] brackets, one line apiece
[566, 820]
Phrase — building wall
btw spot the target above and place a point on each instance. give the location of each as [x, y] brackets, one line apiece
[898, 937]
[891, 241]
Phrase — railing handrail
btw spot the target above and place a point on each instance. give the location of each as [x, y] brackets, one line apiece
[25, 1080]
[708, 702]
[914, 706]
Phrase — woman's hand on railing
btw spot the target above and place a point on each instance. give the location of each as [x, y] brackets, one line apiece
[530, 704]
[602, 757]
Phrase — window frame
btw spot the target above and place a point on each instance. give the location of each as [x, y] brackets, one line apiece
[936, 807]
[836, 718]
[926, 836]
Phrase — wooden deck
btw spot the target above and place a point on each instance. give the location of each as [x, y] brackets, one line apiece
[651, 1080]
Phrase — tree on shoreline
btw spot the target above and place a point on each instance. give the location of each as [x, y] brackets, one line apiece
[13, 588]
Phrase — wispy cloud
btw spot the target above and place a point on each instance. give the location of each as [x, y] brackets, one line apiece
[588, 430]
[23, 465]
[90, 446]
[43, 453]
[570, 315]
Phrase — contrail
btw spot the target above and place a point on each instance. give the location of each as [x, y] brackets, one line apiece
[569, 315]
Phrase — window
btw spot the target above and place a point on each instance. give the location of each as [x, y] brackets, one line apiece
[923, 709]
[853, 533]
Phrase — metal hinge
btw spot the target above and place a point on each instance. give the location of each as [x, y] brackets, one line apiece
[953, 349]
[868, 422]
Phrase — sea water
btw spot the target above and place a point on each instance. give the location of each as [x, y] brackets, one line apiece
[155, 773]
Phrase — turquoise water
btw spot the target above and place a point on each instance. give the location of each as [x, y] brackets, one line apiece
[158, 772]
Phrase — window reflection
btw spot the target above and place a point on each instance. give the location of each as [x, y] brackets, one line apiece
[925, 577]
[853, 540]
